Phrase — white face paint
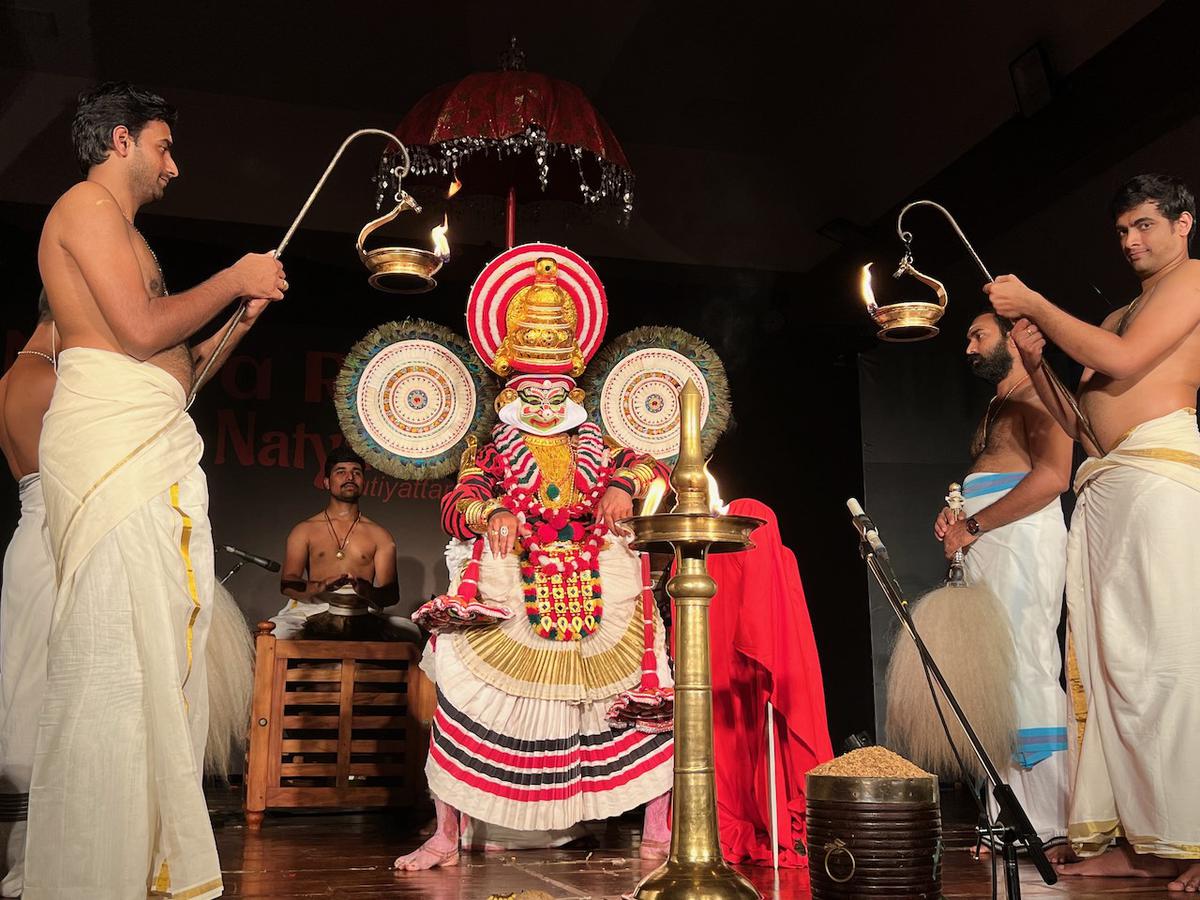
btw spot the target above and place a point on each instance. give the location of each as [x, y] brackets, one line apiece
[544, 410]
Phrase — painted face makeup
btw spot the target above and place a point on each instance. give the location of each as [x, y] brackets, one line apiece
[542, 409]
[542, 406]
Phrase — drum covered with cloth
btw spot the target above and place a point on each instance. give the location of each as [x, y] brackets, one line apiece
[874, 827]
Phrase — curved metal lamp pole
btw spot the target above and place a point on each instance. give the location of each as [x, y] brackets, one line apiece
[241, 310]
[906, 264]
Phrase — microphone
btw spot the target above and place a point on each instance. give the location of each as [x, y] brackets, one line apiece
[269, 564]
[866, 528]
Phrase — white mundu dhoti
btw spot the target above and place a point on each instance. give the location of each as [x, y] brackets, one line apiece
[26, 604]
[1131, 594]
[1025, 565]
[116, 808]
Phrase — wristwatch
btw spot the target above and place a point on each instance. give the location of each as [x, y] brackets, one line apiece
[972, 526]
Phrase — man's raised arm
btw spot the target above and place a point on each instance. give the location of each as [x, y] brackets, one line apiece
[100, 241]
[1031, 344]
[1173, 313]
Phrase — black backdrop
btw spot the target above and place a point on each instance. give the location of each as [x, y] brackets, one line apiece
[267, 418]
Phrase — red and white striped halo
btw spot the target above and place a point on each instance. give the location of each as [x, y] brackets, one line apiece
[513, 270]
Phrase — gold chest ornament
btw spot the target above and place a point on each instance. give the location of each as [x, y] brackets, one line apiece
[555, 458]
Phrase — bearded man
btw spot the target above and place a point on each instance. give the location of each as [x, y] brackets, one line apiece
[1015, 539]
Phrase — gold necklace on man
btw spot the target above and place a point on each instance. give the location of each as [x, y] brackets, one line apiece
[45, 356]
[1127, 316]
[162, 279]
[989, 419]
[341, 550]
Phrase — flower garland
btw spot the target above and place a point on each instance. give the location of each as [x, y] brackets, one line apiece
[540, 526]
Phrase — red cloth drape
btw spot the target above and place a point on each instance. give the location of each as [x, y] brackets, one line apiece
[763, 649]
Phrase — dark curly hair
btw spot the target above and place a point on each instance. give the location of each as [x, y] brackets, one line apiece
[1170, 194]
[103, 109]
[342, 454]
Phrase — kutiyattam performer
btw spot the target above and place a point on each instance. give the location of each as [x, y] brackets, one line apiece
[522, 737]
[1132, 561]
[116, 807]
[1015, 539]
[27, 599]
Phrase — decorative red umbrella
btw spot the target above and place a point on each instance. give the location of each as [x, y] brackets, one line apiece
[499, 131]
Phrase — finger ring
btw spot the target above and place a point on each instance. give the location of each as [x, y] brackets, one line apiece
[1029, 330]
[503, 530]
[493, 532]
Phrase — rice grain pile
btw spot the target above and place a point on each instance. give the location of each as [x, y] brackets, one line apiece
[870, 762]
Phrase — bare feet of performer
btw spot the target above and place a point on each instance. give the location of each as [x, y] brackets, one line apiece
[656, 832]
[1061, 855]
[1188, 879]
[441, 850]
[1056, 855]
[1121, 862]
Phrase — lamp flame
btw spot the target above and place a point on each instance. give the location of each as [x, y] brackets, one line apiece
[715, 505]
[654, 495]
[441, 246]
[455, 187]
[868, 295]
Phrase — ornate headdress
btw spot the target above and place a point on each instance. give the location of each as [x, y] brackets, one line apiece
[411, 395]
[537, 309]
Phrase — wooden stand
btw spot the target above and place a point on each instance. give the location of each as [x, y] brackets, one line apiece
[336, 724]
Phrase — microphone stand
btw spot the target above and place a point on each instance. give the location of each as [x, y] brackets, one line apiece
[1016, 825]
[237, 568]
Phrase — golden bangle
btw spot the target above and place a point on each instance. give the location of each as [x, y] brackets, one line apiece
[489, 507]
[645, 475]
[470, 511]
[477, 512]
[640, 475]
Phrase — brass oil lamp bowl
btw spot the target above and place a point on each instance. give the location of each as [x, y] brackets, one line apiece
[397, 270]
[914, 320]
[695, 867]
[402, 270]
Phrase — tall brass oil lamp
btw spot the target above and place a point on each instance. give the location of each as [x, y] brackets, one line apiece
[695, 868]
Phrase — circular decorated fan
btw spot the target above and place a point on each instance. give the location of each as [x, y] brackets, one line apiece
[408, 396]
[633, 388]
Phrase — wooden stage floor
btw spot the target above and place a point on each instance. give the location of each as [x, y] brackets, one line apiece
[349, 855]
